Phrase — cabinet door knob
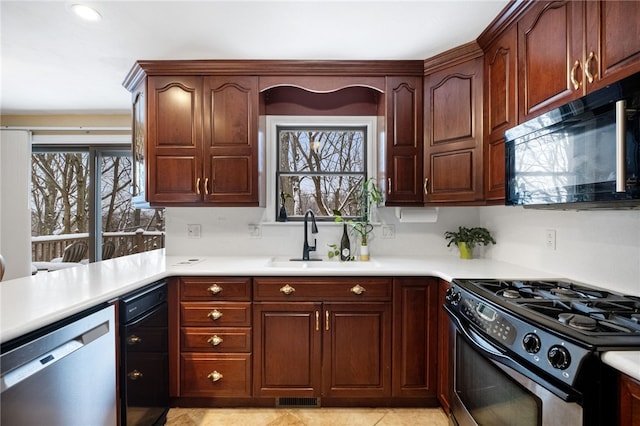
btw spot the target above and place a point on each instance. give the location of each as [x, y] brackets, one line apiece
[198, 186]
[215, 289]
[215, 340]
[389, 186]
[425, 186]
[358, 289]
[215, 376]
[572, 76]
[287, 289]
[215, 314]
[133, 339]
[206, 186]
[135, 375]
[587, 67]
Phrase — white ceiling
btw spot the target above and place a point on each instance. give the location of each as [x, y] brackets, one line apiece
[52, 62]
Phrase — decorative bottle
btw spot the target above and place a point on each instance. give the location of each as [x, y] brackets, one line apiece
[345, 245]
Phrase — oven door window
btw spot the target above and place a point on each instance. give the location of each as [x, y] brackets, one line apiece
[491, 396]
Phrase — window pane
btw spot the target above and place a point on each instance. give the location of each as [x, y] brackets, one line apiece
[59, 202]
[321, 169]
[125, 229]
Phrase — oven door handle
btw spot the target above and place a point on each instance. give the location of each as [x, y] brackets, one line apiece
[475, 339]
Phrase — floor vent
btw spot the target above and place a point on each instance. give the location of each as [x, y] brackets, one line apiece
[298, 402]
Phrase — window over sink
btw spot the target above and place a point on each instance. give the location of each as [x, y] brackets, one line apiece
[319, 163]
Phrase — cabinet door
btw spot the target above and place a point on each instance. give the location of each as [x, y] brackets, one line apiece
[453, 133]
[500, 62]
[550, 46]
[613, 41]
[174, 139]
[287, 339]
[445, 350]
[414, 337]
[404, 140]
[629, 401]
[356, 357]
[231, 140]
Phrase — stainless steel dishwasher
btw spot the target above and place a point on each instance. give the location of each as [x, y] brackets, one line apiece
[64, 374]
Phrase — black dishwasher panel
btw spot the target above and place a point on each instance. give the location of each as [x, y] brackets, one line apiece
[144, 360]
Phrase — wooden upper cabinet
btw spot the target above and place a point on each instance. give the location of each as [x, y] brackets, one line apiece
[550, 56]
[231, 140]
[202, 140]
[404, 140]
[453, 133]
[174, 138]
[612, 41]
[567, 49]
[500, 112]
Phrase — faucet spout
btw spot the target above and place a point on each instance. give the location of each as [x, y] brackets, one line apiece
[306, 248]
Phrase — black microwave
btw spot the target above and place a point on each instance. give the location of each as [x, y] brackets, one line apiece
[583, 155]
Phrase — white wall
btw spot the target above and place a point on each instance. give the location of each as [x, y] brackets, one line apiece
[15, 212]
[596, 247]
[225, 231]
[600, 248]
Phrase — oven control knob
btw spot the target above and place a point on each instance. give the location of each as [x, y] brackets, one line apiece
[559, 357]
[531, 343]
[452, 297]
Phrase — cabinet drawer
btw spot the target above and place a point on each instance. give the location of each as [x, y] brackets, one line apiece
[325, 289]
[201, 288]
[232, 375]
[222, 314]
[199, 339]
[146, 340]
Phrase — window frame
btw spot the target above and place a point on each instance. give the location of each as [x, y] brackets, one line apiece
[273, 122]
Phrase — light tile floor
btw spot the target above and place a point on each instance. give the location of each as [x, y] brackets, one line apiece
[306, 417]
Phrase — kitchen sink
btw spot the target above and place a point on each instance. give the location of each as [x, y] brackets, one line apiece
[324, 264]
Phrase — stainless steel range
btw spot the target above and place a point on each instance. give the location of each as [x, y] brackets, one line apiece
[528, 352]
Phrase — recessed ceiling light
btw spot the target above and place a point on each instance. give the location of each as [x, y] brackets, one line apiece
[86, 12]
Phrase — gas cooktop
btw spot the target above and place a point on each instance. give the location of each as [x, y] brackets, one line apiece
[584, 314]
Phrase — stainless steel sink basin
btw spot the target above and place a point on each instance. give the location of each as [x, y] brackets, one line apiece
[325, 264]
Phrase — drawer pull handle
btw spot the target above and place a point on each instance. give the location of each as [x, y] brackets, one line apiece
[206, 186]
[572, 76]
[358, 289]
[215, 289]
[215, 376]
[215, 314]
[215, 340]
[134, 375]
[133, 339]
[198, 186]
[587, 67]
[287, 289]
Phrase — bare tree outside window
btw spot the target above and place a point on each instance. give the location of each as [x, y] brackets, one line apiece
[322, 169]
[61, 196]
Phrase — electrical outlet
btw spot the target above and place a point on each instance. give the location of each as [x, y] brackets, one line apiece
[254, 231]
[388, 231]
[194, 231]
[550, 239]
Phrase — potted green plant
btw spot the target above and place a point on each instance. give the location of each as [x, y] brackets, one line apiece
[467, 238]
[371, 195]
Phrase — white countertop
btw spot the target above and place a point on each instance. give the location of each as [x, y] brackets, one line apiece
[27, 304]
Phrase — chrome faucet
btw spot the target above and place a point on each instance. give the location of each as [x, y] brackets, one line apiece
[306, 248]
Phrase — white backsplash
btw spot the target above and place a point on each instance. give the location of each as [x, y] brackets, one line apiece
[595, 247]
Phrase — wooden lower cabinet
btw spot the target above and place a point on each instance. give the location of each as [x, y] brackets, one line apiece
[343, 341]
[629, 414]
[445, 350]
[414, 337]
[214, 336]
[324, 338]
[313, 349]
